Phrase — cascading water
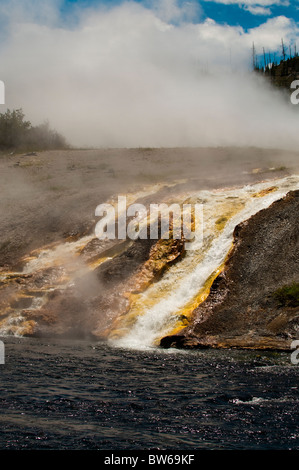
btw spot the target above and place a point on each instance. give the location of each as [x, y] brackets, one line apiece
[59, 266]
[164, 306]
[158, 311]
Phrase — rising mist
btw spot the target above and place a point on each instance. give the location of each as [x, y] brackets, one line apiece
[136, 76]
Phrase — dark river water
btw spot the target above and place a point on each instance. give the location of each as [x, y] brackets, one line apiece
[79, 395]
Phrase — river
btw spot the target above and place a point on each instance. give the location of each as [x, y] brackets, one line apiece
[85, 395]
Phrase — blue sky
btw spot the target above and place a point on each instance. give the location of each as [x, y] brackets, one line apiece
[245, 13]
[239, 15]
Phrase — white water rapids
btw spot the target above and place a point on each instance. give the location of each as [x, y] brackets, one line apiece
[156, 311]
[158, 308]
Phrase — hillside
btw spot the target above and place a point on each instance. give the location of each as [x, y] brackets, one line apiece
[283, 74]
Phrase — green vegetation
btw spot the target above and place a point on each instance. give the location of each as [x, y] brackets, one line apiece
[288, 296]
[17, 134]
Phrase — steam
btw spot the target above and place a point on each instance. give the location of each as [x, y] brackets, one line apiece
[143, 76]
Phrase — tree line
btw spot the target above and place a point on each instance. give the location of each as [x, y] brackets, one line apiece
[264, 61]
[17, 133]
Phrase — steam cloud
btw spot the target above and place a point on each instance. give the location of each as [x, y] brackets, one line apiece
[152, 75]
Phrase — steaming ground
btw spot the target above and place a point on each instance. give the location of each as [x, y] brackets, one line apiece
[50, 196]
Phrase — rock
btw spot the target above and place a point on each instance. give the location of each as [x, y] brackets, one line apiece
[242, 310]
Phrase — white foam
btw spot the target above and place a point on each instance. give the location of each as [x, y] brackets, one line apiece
[160, 318]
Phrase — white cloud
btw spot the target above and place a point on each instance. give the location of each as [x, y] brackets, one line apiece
[258, 10]
[269, 34]
[125, 77]
[264, 3]
[41, 11]
[256, 7]
[174, 10]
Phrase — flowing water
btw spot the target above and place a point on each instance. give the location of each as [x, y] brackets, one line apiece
[126, 393]
[85, 395]
[159, 309]
[185, 285]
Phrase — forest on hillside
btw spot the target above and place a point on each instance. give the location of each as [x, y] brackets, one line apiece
[281, 70]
